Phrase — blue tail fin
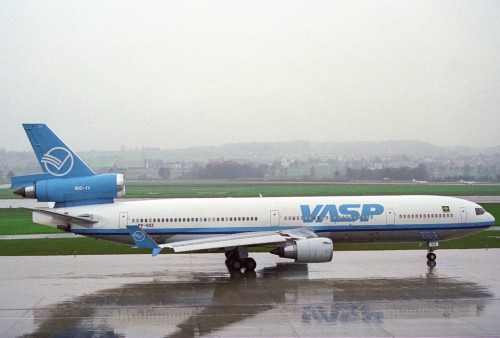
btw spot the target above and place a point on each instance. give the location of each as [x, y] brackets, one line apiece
[55, 158]
[66, 179]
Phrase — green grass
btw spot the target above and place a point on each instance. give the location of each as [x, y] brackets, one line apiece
[64, 246]
[176, 189]
[481, 240]
[8, 194]
[494, 209]
[17, 221]
[189, 189]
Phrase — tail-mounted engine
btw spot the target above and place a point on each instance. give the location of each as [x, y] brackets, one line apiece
[310, 250]
[85, 190]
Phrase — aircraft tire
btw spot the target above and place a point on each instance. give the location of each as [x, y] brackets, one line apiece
[235, 264]
[431, 256]
[250, 263]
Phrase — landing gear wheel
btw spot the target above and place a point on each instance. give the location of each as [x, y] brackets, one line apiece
[250, 263]
[431, 256]
[234, 264]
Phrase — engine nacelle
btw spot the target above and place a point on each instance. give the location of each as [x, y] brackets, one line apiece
[310, 250]
[76, 191]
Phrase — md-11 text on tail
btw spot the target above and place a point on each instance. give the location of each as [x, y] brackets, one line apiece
[299, 228]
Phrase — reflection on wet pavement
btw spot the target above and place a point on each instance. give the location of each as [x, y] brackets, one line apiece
[280, 299]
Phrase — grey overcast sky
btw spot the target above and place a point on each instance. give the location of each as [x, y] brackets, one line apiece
[175, 74]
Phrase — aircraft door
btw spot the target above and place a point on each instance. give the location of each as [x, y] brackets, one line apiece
[390, 217]
[123, 219]
[275, 218]
[463, 215]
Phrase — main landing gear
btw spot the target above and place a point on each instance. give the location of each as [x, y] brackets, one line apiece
[237, 259]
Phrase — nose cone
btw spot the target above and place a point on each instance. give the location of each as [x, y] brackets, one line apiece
[490, 218]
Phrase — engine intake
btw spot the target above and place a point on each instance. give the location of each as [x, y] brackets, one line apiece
[310, 250]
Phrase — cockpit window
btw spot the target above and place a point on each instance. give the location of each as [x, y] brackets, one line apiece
[480, 211]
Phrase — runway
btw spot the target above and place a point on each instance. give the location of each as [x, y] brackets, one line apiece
[370, 293]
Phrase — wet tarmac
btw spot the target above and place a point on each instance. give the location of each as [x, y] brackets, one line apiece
[370, 293]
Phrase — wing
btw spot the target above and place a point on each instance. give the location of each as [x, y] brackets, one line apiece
[143, 240]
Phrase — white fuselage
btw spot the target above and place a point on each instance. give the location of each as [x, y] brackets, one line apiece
[344, 219]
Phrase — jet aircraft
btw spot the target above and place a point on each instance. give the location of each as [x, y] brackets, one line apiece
[300, 228]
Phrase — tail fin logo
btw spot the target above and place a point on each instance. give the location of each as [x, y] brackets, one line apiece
[58, 161]
[139, 236]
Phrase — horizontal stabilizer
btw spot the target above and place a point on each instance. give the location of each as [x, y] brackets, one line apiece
[28, 180]
[81, 220]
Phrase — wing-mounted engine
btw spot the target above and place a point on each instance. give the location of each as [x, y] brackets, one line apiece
[309, 250]
[97, 189]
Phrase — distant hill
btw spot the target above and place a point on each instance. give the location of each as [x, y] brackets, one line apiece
[268, 151]
[25, 162]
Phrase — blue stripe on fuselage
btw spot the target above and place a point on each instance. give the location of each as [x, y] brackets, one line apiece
[319, 229]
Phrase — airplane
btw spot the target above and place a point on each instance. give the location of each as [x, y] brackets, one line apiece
[299, 228]
[467, 182]
[420, 182]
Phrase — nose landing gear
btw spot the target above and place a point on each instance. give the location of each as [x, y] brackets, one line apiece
[431, 256]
